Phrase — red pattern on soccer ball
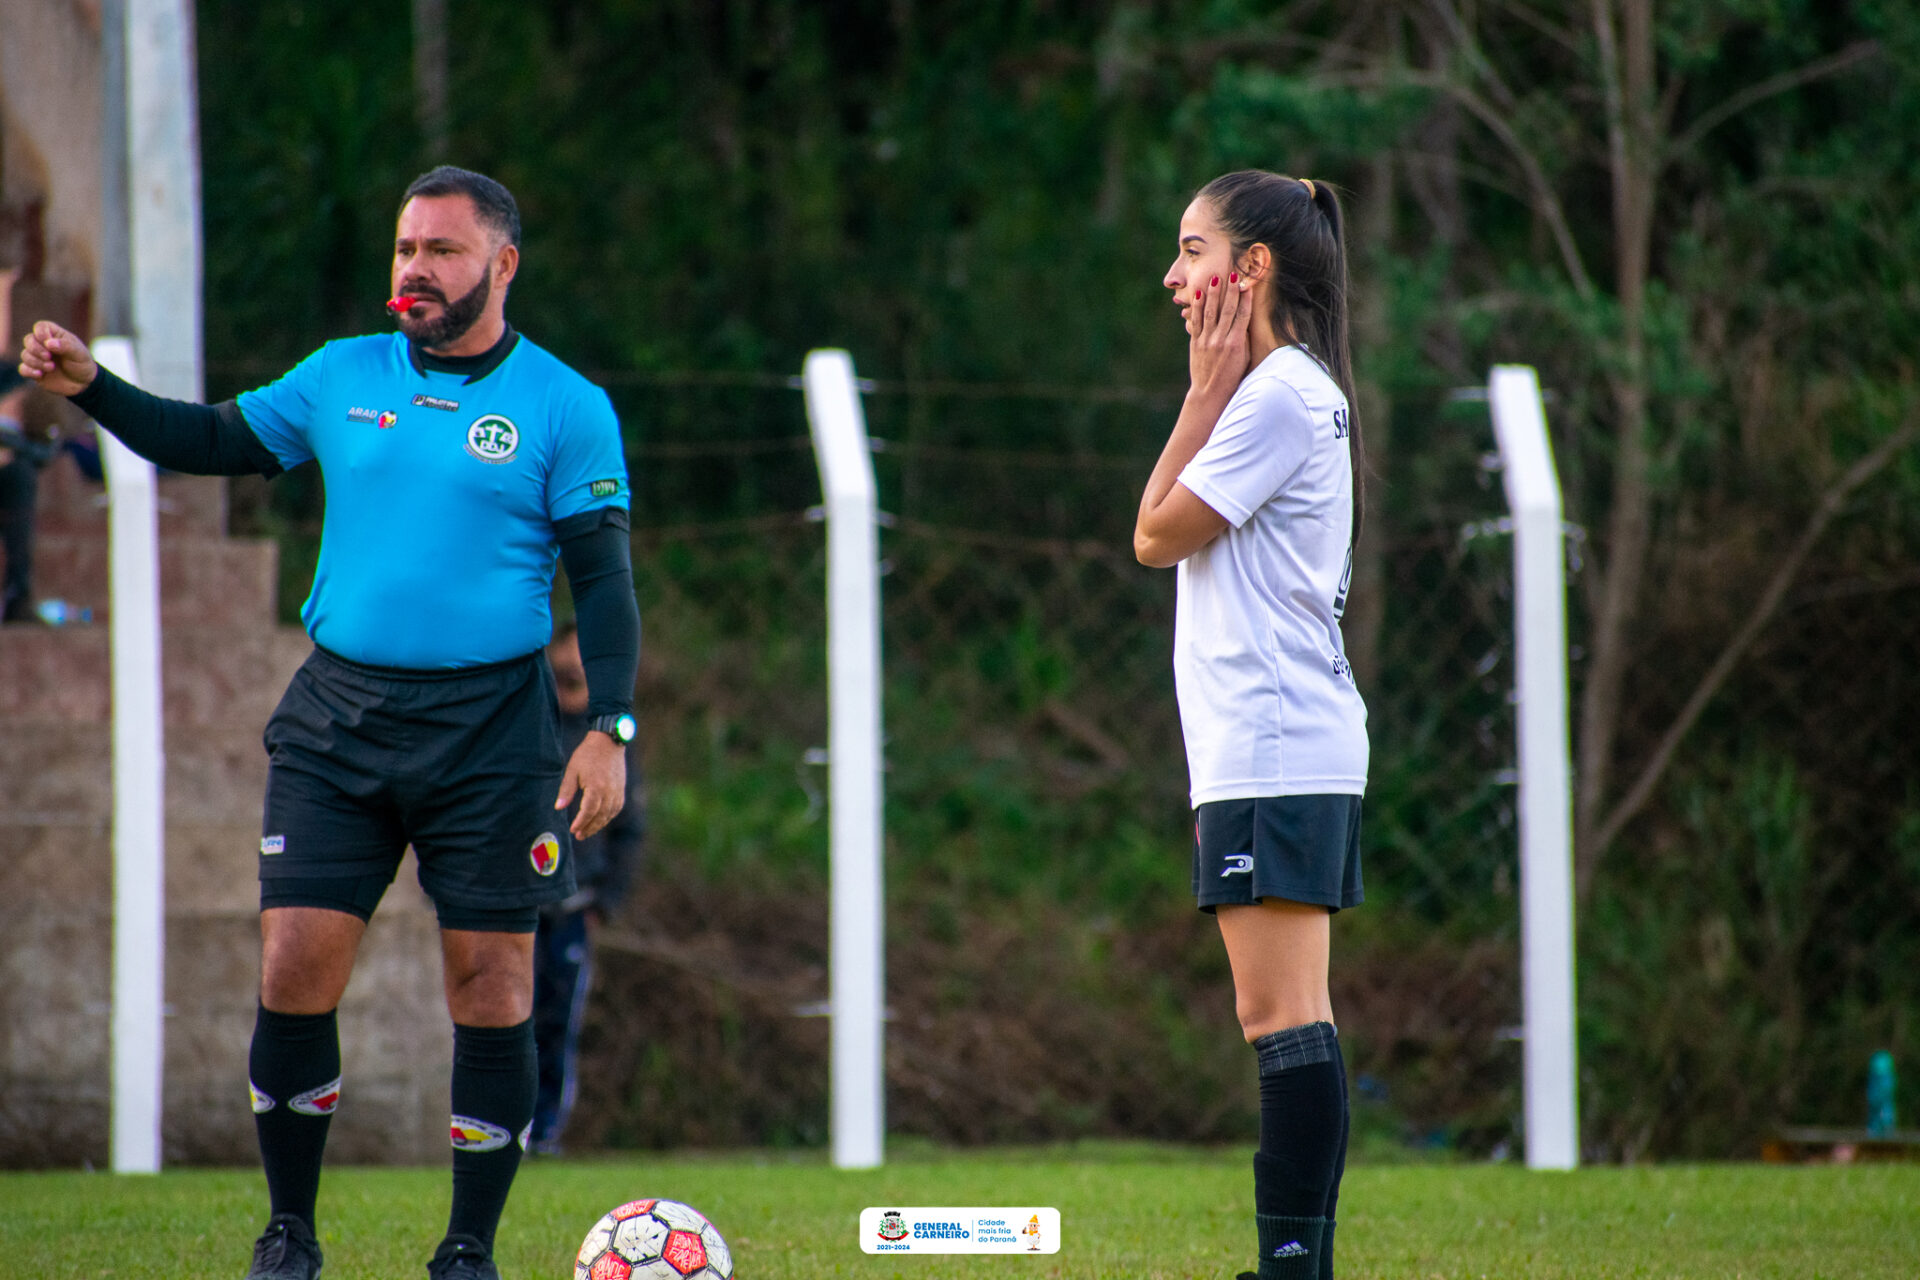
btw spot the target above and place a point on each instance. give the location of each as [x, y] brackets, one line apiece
[610, 1266]
[632, 1209]
[684, 1252]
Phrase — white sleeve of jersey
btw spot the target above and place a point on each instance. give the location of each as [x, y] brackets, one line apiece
[1263, 438]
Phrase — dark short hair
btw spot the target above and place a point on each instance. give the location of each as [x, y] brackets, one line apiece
[493, 202]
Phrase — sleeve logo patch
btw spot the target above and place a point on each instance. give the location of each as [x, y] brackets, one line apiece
[273, 844]
[604, 488]
[493, 438]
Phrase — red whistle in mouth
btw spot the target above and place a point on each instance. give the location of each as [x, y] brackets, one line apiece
[401, 303]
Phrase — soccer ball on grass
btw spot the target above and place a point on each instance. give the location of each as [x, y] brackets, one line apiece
[653, 1240]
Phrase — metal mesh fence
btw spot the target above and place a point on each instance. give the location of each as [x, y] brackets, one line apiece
[1036, 799]
[1036, 771]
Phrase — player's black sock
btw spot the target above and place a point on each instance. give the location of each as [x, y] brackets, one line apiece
[1339, 1163]
[293, 1070]
[493, 1082]
[1302, 1117]
[1289, 1247]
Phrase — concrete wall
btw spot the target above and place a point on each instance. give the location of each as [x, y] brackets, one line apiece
[225, 666]
[50, 125]
[226, 662]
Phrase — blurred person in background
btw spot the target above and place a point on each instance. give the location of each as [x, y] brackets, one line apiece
[21, 457]
[604, 866]
[1256, 497]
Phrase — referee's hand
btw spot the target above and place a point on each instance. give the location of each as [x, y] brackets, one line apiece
[56, 359]
[598, 775]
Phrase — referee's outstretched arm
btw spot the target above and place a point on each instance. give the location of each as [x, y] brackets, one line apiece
[196, 439]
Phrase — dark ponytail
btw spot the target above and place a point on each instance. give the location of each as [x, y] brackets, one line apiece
[1301, 224]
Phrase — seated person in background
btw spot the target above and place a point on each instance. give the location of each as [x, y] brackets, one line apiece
[604, 867]
[21, 458]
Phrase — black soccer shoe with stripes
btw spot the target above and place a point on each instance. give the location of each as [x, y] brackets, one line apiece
[286, 1250]
[462, 1258]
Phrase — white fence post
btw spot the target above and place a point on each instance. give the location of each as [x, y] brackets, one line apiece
[139, 791]
[857, 956]
[1546, 822]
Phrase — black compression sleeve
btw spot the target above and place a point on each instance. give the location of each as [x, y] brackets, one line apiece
[198, 439]
[599, 560]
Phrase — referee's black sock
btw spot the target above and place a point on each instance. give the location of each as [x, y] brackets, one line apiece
[494, 1074]
[293, 1072]
[1302, 1117]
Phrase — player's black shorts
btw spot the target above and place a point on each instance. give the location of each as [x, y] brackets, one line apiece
[463, 765]
[1299, 848]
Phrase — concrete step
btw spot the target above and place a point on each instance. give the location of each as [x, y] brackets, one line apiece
[55, 1050]
[210, 674]
[69, 503]
[204, 580]
[212, 869]
[62, 775]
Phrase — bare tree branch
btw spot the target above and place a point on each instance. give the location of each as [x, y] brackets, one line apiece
[1565, 37]
[1540, 192]
[1828, 507]
[1469, 48]
[1713, 117]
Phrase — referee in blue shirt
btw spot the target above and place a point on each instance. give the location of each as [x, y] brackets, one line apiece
[461, 462]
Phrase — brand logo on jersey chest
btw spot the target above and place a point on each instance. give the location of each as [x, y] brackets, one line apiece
[435, 402]
[493, 438]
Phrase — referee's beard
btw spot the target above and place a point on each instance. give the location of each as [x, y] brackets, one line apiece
[455, 317]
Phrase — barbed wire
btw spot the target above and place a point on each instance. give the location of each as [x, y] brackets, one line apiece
[760, 380]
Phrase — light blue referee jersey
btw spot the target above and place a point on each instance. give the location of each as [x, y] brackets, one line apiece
[442, 495]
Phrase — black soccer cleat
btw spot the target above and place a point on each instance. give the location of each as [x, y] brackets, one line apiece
[286, 1250]
[462, 1258]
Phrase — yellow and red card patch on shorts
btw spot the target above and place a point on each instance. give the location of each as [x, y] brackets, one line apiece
[545, 854]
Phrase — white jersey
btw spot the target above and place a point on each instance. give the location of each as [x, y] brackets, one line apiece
[1267, 701]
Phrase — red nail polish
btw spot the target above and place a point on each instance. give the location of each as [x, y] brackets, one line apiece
[1216, 282]
[1234, 278]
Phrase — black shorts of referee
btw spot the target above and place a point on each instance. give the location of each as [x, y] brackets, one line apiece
[463, 765]
[1295, 848]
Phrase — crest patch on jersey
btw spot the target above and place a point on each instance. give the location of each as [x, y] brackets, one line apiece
[604, 488]
[435, 402]
[493, 438]
[387, 419]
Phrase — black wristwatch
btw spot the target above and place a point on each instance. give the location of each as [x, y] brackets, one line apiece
[620, 728]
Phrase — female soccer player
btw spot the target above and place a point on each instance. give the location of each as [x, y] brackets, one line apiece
[1256, 499]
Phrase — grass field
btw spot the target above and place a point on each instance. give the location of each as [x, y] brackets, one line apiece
[1138, 1212]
